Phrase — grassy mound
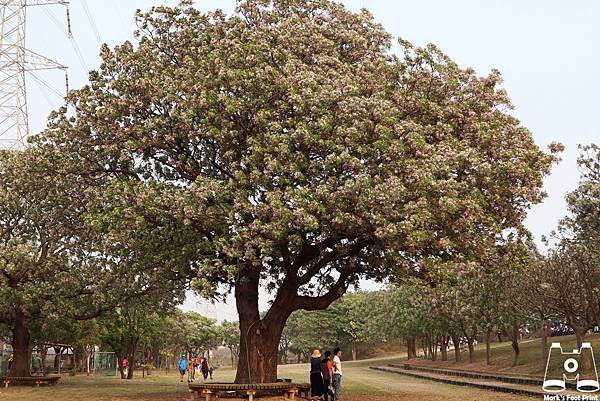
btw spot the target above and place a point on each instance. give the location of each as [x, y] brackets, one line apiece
[531, 361]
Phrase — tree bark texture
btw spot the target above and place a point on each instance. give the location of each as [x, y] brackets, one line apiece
[21, 347]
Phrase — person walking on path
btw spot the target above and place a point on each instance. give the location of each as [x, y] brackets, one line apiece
[191, 368]
[199, 361]
[316, 379]
[337, 374]
[327, 373]
[183, 366]
[205, 367]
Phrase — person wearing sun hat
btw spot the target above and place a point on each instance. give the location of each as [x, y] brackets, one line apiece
[316, 379]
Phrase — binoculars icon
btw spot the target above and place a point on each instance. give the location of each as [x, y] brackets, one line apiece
[587, 382]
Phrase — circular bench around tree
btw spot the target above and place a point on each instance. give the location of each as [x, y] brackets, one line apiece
[30, 380]
[208, 390]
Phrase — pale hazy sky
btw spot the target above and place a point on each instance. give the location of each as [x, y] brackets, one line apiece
[547, 50]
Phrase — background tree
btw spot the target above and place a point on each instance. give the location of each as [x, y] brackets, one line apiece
[571, 270]
[500, 292]
[44, 264]
[583, 221]
[231, 339]
[201, 332]
[537, 300]
[62, 333]
[58, 255]
[300, 155]
[461, 297]
[408, 312]
[308, 330]
[124, 329]
[352, 317]
[512, 317]
[571, 277]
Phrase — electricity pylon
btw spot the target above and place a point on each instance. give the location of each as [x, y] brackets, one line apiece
[15, 61]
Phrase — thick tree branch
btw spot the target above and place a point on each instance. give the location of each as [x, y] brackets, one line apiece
[321, 302]
[336, 254]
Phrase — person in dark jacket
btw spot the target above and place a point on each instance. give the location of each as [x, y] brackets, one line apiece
[316, 379]
[205, 367]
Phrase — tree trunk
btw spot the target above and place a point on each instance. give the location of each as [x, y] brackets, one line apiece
[411, 348]
[580, 336]
[544, 348]
[354, 349]
[120, 365]
[515, 346]
[260, 337]
[515, 343]
[257, 362]
[259, 341]
[21, 348]
[57, 355]
[44, 355]
[88, 356]
[131, 359]
[585, 357]
[125, 350]
[544, 342]
[488, 350]
[445, 348]
[471, 349]
[456, 343]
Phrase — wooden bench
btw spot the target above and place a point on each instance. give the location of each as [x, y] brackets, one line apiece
[30, 380]
[206, 391]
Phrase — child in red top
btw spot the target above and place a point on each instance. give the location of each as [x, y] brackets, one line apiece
[327, 373]
[125, 367]
[191, 368]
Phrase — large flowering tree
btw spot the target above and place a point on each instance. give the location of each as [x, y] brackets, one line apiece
[299, 154]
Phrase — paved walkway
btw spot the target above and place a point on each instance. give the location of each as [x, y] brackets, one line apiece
[506, 384]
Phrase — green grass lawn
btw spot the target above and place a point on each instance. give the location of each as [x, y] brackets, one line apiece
[359, 384]
[531, 361]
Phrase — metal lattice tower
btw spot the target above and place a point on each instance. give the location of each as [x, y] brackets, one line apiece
[15, 61]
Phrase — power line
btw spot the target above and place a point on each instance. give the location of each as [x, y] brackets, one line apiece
[54, 19]
[79, 54]
[41, 87]
[116, 6]
[91, 20]
[44, 83]
[67, 31]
